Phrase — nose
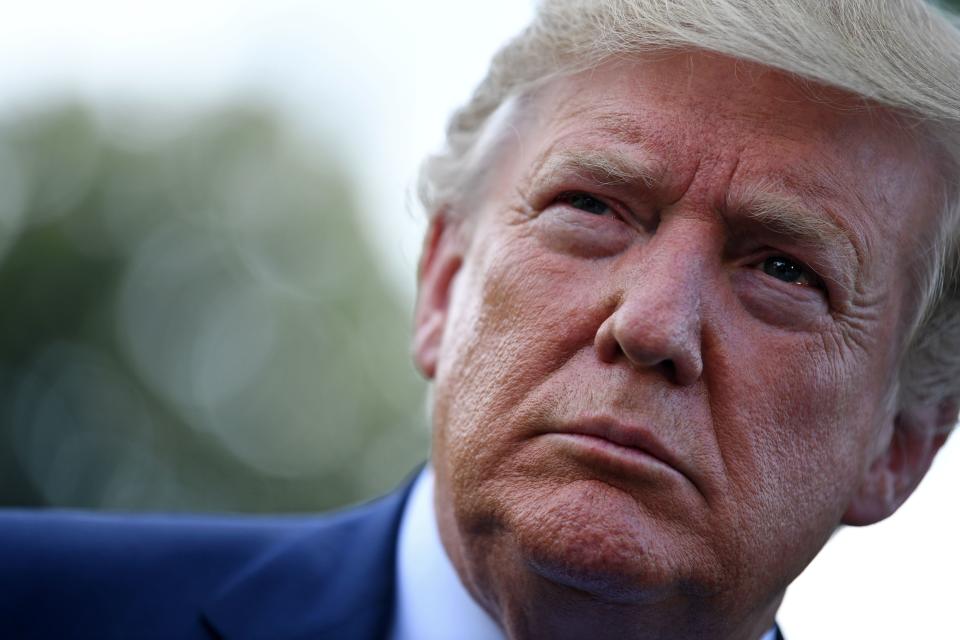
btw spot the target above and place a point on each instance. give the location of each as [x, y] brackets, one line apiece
[656, 323]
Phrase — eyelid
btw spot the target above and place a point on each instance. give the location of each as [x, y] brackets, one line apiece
[617, 208]
[566, 197]
[817, 282]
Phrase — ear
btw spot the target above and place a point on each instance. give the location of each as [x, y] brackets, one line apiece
[918, 433]
[439, 263]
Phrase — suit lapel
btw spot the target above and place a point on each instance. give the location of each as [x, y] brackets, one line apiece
[334, 579]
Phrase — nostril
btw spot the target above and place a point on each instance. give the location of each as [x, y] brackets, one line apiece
[647, 339]
[669, 369]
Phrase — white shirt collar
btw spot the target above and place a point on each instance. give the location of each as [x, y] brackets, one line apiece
[431, 602]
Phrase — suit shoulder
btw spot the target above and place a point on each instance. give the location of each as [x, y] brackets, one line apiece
[87, 537]
[93, 567]
[53, 549]
[70, 574]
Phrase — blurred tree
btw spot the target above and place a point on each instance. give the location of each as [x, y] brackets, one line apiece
[192, 320]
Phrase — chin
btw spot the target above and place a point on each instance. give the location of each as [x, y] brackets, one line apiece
[594, 539]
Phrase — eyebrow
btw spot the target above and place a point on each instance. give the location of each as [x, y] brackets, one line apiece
[608, 167]
[788, 215]
[773, 205]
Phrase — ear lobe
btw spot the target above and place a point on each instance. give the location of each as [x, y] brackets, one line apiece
[918, 433]
[440, 262]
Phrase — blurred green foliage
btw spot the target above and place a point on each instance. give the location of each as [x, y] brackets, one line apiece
[191, 319]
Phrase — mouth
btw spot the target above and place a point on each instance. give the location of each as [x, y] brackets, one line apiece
[611, 445]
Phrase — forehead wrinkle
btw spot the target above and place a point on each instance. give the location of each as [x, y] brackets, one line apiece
[607, 118]
[599, 144]
[624, 127]
[787, 206]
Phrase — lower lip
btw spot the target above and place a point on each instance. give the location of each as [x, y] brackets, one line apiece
[611, 456]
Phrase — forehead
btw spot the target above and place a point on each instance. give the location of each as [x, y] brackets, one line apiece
[707, 124]
[716, 95]
[714, 106]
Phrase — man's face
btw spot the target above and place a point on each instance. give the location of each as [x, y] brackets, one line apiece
[665, 360]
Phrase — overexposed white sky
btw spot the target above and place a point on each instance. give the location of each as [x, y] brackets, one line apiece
[381, 77]
[378, 76]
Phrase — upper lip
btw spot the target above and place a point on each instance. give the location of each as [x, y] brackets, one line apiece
[627, 435]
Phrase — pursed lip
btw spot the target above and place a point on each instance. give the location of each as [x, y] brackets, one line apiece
[629, 436]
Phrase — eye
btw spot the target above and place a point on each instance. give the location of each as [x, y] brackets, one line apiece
[790, 271]
[585, 202]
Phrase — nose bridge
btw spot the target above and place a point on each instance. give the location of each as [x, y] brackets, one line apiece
[657, 320]
[670, 271]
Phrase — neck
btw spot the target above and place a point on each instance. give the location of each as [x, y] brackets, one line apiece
[550, 611]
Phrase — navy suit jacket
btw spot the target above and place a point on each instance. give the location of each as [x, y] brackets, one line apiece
[72, 575]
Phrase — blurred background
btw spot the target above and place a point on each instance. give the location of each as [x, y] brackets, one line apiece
[208, 241]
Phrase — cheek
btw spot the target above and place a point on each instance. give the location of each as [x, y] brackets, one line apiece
[789, 424]
[783, 417]
[519, 314]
